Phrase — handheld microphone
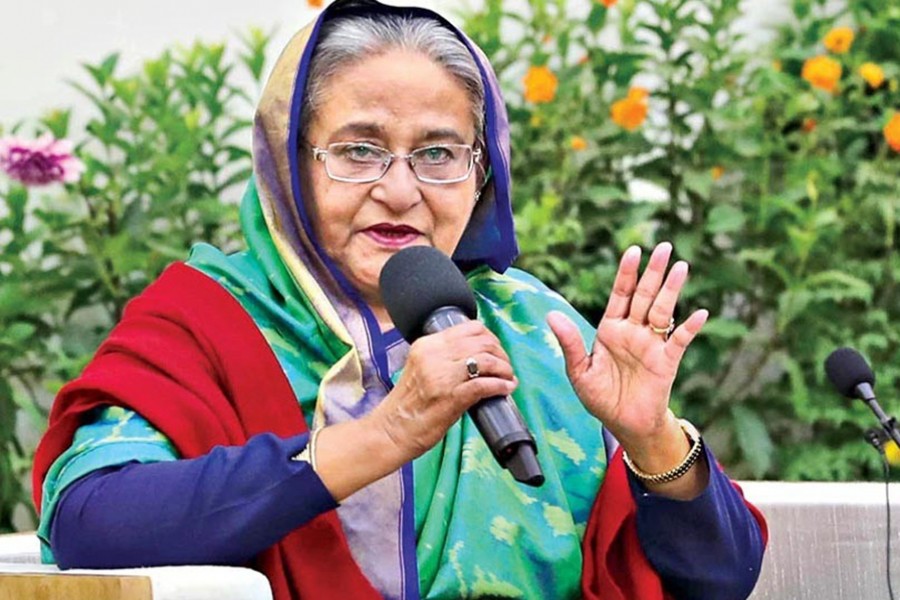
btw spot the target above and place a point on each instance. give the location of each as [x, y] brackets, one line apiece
[424, 292]
[851, 375]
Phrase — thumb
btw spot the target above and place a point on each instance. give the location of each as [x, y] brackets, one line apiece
[569, 337]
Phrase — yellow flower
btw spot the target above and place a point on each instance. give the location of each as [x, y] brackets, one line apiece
[776, 66]
[315, 3]
[873, 74]
[536, 120]
[540, 85]
[892, 132]
[578, 143]
[631, 111]
[717, 172]
[822, 72]
[608, 3]
[839, 39]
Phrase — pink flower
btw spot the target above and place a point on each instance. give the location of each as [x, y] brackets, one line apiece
[39, 162]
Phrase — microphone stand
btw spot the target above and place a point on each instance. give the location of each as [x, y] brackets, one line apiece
[888, 424]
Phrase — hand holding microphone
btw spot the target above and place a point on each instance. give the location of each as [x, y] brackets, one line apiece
[453, 360]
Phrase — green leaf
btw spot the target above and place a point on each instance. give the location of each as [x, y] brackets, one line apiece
[101, 73]
[725, 219]
[728, 329]
[753, 439]
[597, 17]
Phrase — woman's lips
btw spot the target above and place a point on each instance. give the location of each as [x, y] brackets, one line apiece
[394, 236]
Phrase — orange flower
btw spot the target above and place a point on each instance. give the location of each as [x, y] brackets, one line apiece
[540, 85]
[839, 39]
[631, 111]
[809, 124]
[608, 3]
[822, 72]
[578, 143]
[892, 132]
[872, 73]
[584, 59]
[315, 3]
[717, 172]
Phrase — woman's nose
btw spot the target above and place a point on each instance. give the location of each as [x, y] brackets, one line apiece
[398, 188]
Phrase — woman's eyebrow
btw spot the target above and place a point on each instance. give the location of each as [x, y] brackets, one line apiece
[443, 135]
[364, 129]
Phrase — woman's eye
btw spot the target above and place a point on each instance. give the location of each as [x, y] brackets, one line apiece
[361, 152]
[436, 154]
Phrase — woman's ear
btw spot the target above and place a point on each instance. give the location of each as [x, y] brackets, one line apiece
[484, 178]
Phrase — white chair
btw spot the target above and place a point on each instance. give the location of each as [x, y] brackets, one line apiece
[23, 576]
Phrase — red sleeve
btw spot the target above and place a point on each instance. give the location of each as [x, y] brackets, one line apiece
[615, 567]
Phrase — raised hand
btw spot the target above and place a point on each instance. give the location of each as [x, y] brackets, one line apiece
[626, 379]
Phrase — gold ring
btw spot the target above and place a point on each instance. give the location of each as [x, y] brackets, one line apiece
[663, 331]
[472, 368]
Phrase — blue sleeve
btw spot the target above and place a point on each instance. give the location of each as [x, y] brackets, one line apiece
[222, 508]
[710, 547]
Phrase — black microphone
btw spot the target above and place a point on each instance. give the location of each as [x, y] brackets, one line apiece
[424, 292]
[851, 375]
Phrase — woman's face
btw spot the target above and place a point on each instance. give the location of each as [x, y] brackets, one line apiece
[400, 101]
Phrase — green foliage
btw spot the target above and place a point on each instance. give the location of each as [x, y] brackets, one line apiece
[165, 151]
[783, 197]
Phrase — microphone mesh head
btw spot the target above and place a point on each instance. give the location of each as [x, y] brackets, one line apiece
[419, 280]
[846, 368]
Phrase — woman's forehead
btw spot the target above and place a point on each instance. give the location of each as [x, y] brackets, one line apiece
[395, 93]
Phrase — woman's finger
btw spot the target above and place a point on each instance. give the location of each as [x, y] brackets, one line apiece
[684, 334]
[663, 308]
[650, 283]
[471, 337]
[624, 284]
[571, 342]
[484, 364]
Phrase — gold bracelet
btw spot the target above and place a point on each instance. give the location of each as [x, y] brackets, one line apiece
[679, 470]
[308, 454]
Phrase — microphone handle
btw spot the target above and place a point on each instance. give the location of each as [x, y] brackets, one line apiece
[497, 418]
[889, 424]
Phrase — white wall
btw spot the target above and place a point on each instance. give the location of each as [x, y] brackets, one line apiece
[43, 43]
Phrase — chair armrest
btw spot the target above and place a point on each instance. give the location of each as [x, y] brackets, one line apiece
[19, 580]
[20, 548]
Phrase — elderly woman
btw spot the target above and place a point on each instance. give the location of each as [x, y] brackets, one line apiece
[187, 439]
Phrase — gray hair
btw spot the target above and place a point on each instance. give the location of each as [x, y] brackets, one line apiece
[345, 41]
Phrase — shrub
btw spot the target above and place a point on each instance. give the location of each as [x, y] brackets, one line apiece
[165, 156]
[782, 196]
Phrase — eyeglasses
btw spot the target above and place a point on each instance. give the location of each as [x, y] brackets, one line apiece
[359, 162]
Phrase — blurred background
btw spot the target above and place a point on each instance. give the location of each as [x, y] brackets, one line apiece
[763, 139]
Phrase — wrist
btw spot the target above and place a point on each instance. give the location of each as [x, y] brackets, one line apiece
[659, 451]
[677, 471]
[354, 454]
